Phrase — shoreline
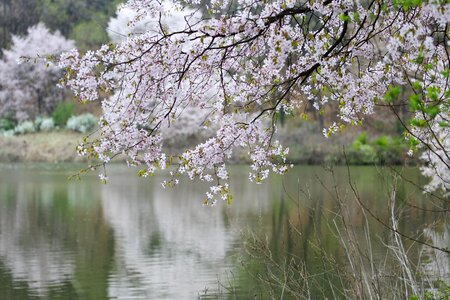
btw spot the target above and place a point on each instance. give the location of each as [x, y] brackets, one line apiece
[60, 147]
[51, 147]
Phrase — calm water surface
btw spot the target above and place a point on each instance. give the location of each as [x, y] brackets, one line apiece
[132, 239]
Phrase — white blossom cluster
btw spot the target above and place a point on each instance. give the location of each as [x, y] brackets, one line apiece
[247, 60]
[437, 156]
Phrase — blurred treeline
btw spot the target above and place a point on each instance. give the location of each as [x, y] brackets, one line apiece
[83, 21]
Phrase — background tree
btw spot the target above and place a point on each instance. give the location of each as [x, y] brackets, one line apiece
[81, 20]
[188, 127]
[15, 17]
[28, 90]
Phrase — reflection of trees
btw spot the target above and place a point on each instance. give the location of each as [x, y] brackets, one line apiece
[320, 238]
[143, 241]
[435, 264]
[167, 244]
[27, 248]
[53, 241]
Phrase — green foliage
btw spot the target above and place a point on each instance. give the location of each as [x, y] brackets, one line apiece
[344, 17]
[440, 293]
[382, 141]
[62, 113]
[432, 111]
[412, 143]
[384, 149]
[89, 34]
[360, 140]
[364, 154]
[427, 103]
[6, 124]
[392, 94]
[415, 102]
[82, 20]
[406, 4]
[433, 93]
[82, 123]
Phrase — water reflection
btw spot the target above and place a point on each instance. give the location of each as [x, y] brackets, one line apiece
[167, 244]
[131, 239]
[53, 242]
[30, 248]
[436, 264]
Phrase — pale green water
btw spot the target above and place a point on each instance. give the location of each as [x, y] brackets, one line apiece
[131, 239]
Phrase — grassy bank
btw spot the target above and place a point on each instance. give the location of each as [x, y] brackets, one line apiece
[52, 147]
[307, 147]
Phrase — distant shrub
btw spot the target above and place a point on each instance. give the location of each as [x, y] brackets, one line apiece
[360, 140]
[62, 113]
[367, 154]
[47, 125]
[390, 150]
[383, 141]
[6, 124]
[44, 124]
[38, 122]
[7, 133]
[25, 127]
[382, 150]
[82, 123]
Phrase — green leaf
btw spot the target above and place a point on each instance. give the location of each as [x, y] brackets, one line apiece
[412, 142]
[229, 199]
[432, 111]
[344, 17]
[417, 85]
[433, 93]
[418, 123]
[392, 93]
[414, 102]
[419, 59]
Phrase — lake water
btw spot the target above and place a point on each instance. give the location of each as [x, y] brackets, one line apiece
[132, 239]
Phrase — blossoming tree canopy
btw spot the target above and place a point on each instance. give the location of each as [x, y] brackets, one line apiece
[242, 62]
[29, 90]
